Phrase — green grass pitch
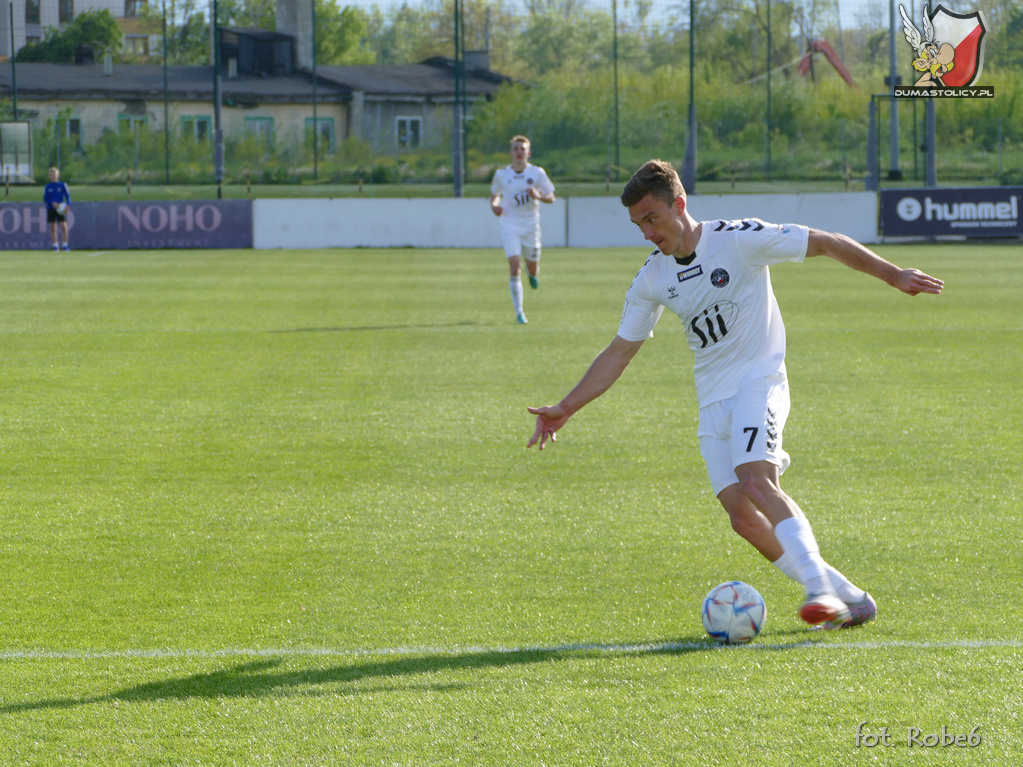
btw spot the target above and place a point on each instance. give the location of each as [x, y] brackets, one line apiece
[275, 508]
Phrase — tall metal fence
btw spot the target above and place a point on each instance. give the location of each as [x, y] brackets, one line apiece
[600, 87]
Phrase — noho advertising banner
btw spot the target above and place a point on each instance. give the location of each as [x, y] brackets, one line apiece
[966, 212]
[150, 224]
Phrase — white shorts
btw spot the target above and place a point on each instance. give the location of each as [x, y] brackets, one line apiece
[525, 244]
[748, 427]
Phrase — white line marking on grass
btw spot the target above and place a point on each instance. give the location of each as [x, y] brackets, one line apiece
[610, 649]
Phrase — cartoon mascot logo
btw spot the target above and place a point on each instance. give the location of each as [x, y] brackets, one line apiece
[950, 52]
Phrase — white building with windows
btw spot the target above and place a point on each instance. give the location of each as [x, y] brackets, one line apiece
[33, 17]
[394, 108]
[267, 87]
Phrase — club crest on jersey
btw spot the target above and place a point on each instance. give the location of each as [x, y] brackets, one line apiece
[719, 278]
[688, 274]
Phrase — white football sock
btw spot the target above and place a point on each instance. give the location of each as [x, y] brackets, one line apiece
[845, 589]
[798, 542]
[515, 284]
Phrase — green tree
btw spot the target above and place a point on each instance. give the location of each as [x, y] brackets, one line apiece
[188, 26]
[406, 35]
[261, 14]
[1009, 50]
[190, 42]
[97, 29]
[410, 35]
[188, 30]
[340, 35]
[553, 42]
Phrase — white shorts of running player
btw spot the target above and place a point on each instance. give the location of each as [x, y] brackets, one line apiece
[748, 427]
[524, 243]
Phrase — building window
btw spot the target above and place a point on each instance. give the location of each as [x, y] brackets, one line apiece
[136, 45]
[409, 132]
[31, 11]
[69, 129]
[198, 128]
[134, 7]
[67, 11]
[74, 132]
[263, 127]
[324, 129]
[130, 123]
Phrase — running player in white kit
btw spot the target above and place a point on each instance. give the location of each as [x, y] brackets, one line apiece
[515, 196]
[714, 275]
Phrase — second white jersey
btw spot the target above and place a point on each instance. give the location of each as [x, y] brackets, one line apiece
[725, 300]
[520, 210]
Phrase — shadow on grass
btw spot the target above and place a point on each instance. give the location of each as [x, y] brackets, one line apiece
[264, 677]
[363, 328]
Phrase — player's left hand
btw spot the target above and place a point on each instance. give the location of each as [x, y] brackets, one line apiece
[913, 281]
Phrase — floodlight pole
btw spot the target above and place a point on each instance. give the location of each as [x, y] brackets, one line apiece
[893, 172]
[316, 123]
[218, 133]
[931, 164]
[14, 68]
[689, 160]
[458, 138]
[871, 182]
[614, 44]
[767, 146]
[931, 121]
[166, 103]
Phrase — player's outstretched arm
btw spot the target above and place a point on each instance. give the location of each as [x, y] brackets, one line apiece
[601, 376]
[847, 251]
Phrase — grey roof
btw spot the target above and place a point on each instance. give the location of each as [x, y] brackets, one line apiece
[257, 33]
[430, 79]
[87, 81]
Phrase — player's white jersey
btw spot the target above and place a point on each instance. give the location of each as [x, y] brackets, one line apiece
[520, 210]
[724, 299]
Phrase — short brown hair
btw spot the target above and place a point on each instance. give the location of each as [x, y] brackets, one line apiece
[657, 178]
[521, 138]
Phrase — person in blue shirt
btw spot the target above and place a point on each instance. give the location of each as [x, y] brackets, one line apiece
[57, 197]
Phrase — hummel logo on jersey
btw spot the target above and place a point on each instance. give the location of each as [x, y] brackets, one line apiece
[772, 430]
[742, 226]
[688, 274]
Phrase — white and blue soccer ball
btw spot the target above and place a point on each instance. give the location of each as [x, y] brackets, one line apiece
[733, 612]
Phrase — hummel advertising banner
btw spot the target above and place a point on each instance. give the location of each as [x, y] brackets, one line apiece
[150, 224]
[967, 212]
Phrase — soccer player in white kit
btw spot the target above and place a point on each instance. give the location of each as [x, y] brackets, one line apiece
[714, 275]
[515, 196]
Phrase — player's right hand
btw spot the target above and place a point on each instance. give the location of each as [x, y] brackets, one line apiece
[548, 421]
